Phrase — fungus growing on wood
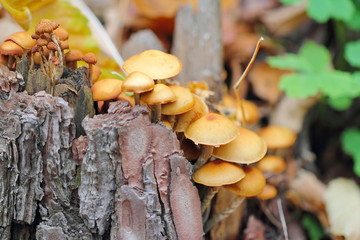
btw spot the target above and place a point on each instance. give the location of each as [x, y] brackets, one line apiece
[211, 130]
[272, 163]
[106, 89]
[277, 137]
[160, 94]
[11, 49]
[137, 83]
[268, 192]
[154, 63]
[90, 59]
[247, 148]
[72, 57]
[23, 39]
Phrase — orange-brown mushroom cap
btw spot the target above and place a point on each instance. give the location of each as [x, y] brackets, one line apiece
[156, 64]
[10, 48]
[183, 103]
[46, 26]
[218, 173]
[251, 185]
[23, 39]
[106, 89]
[89, 58]
[138, 82]
[197, 111]
[212, 129]
[269, 192]
[277, 137]
[247, 148]
[160, 94]
[272, 163]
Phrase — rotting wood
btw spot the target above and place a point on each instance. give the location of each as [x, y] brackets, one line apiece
[197, 43]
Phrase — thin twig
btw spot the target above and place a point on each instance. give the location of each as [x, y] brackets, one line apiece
[282, 219]
[243, 75]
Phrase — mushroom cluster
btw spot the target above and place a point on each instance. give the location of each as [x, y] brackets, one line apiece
[47, 49]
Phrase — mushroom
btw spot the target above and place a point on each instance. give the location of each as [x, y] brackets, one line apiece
[277, 137]
[251, 185]
[90, 59]
[272, 163]
[269, 192]
[154, 63]
[246, 148]
[183, 103]
[11, 49]
[72, 57]
[160, 94]
[125, 97]
[138, 82]
[214, 174]
[106, 90]
[23, 39]
[211, 130]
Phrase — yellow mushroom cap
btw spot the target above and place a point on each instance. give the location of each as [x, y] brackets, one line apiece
[10, 48]
[218, 173]
[272, 163]
[247, 148]
[269, 192]
[156, 64]
[23, 39]
[277, 137]
[138, 82]
[197, 111]
[251, 185]
[212, 129]
[106, 89]
[124, 97]
[252, 114]
[160, 94]
[183, 103]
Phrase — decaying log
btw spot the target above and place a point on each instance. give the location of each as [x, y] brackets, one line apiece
[10, 82]
[36, 169]
[197, 43]
[135, 171]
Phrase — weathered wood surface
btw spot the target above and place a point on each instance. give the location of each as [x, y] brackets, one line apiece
[135, 171]
[135, 182]
[197, 43]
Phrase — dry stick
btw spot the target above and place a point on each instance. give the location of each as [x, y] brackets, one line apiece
[282, 219]
[237, 84]
[217, 218]
[269, 215]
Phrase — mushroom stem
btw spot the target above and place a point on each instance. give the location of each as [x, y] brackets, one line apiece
[61, 65]
[156, 113]
[217, 218]
[206, 152]
[11, 61]
[209, 195]
[137, 98]
[90, 67]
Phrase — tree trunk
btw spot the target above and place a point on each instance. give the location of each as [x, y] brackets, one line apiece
[127, 179]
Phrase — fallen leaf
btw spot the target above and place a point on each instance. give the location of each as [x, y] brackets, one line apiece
[342, 198]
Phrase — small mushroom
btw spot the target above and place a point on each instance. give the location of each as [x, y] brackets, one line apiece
[246, 148]
[272, 164]
[277, 137]
[90, 59]
[23, 39]
[211, 130]
[137, 83]
[160, 94]
[154, 63]
[269, 192]
[11, 49]
[72, 57]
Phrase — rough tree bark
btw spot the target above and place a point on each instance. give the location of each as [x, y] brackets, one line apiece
[135, 182]
[197, 43]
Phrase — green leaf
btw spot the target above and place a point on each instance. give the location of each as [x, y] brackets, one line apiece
[316, 56]
[300, 85]
[350, 140]
[289, 61]
[354, 22]
[342, 10]
[313, 227]
[320, 10]
[340, 103]
[290, 2]
[352, 53]
[337, 84]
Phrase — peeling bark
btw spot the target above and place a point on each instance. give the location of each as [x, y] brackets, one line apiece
[145, 162]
